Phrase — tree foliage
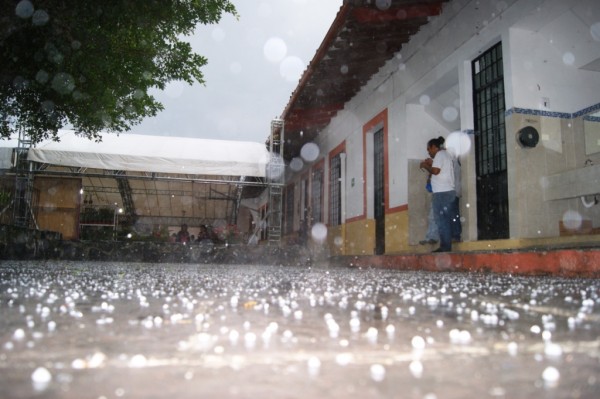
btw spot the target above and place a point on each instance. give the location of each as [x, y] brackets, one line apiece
[90, 64]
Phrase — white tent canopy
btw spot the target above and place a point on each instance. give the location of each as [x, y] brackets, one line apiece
[160, 154]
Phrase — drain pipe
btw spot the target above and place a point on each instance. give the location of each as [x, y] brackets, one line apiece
[584, 201]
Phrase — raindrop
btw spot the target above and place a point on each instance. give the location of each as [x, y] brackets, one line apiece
[418, 342]
[42, 76]
[276, 167]
[572, 220]
[553, 350]
[459, 336]
[250, 340]
[338, 241]
[19, 334]
[40, 17]
[372, 335]
[63, 83]
[47, 106]
[296, 164]
[450, 114]
[20, 82]
[568, 58]
[218, 35]
[344, 359]
[390, 330]
[309, 152]
[424, 99]
[416, 368]
[513, 348]
[383, 4]
[275, 49]
[41, 377]
[458, 143]
[550, 376]
[24, 9]
[233, 337]
[595, 31]
[377, 372]
[291, 69]
[344, 69]
[319, 232]
[138, 361]
[314, 366]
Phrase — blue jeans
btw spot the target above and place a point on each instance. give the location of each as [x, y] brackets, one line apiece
[456, 224]
[432, 229]
[443, 210]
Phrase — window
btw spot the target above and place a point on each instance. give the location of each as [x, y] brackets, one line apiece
[335, 190]
[317, 196]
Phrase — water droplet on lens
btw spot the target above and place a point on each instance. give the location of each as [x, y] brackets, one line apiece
[275, 49]
[24, 9]
[551, 376]
[314, 366]
[309, 152]
[291, 69]
[319, 232]
[383, 4]
[296, 164]
[377, 372]
[595, 31]
[418, 342]
[416, 368]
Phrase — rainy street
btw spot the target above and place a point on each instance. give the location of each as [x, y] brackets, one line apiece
[133, 330]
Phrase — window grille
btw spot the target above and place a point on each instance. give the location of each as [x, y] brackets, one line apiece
[335, 192]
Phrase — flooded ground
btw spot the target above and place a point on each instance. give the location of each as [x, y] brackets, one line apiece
[132, 330]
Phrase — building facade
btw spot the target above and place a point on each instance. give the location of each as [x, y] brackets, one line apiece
[513, 85]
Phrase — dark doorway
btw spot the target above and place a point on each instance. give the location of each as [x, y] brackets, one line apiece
[379, 192]
[490, 145]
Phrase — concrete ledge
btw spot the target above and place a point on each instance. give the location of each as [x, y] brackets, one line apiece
[556, 262]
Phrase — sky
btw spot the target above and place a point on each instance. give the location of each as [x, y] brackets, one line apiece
[254, 65]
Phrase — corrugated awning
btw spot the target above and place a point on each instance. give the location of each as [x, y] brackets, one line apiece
[363, 37]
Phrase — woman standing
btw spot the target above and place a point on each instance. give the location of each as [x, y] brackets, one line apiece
[440, 166]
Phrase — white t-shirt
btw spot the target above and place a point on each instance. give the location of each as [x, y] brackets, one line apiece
[443, 181]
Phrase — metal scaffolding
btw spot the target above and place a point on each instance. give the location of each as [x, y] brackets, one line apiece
[275, 182]
[108, 188]
[22, 203]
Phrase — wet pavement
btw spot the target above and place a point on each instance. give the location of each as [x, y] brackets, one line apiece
[134, 330]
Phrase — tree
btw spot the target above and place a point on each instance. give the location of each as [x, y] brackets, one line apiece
[90, 64]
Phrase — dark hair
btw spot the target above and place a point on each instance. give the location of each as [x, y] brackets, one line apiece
[439, 142]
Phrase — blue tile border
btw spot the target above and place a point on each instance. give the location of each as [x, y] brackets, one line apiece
[552, 114]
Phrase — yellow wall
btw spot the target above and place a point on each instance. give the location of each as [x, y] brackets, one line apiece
[358, 238]
[396, 232]
[335, 240]
[58, 205]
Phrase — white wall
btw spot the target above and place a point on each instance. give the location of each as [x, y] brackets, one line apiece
[439, 57]
[541, 70]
